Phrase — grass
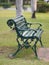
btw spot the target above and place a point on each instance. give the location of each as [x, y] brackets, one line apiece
[8, 42]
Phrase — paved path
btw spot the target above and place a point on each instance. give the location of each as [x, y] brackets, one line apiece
[43, 53]
[24, 9]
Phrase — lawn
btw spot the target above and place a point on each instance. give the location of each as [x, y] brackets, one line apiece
[8, 42]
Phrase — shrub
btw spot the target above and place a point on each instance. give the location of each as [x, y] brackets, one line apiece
[42, 6]
[5, 5]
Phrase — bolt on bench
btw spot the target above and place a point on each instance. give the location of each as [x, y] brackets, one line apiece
[25, 32]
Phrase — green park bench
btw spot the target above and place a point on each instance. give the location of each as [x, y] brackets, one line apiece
[25, 33]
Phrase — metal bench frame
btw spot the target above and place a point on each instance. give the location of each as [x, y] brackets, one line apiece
[13, 23]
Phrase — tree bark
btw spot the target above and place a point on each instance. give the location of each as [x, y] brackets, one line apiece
[33, 8]
[19, 5]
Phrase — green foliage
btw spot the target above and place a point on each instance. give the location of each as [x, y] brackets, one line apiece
[42, 6]
[40, 0]
[5, 5]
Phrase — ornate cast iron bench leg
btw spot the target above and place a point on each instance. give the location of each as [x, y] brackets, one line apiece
[41, 42]
[34, 48]
[19, 48]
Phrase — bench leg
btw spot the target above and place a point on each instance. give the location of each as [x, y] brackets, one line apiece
[41, 42]
[34, 48]
[14, 54]
[19, 48]
[17, 51]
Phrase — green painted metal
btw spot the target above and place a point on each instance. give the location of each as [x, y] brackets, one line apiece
[25, 33]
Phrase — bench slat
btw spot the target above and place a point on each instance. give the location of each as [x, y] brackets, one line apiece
[21, 18]
[38, 34]
[28, 33]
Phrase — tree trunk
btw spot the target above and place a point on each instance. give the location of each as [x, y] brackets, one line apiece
[19, 4]
[33, 14]
[34, 8]
[8, 1]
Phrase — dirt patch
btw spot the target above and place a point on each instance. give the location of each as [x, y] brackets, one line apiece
[43, 53]
[4, 49]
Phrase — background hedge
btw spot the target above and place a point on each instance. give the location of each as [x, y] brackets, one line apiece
[42, 6]
[5, 5]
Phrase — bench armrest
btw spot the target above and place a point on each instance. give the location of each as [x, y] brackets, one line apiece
[34, 23]
[30, 23]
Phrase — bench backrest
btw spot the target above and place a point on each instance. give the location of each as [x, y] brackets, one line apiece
[19, 23]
